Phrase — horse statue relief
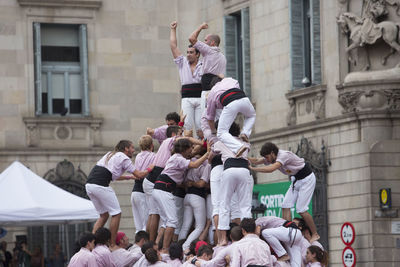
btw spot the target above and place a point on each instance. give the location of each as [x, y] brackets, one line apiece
[364, 31]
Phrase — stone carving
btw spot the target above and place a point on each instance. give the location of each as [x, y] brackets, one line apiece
[319, 109]
[349, 101]
[291, 116]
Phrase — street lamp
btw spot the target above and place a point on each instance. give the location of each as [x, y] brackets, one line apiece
[257, 208]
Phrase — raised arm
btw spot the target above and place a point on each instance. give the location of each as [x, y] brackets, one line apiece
[172, 40]
[267, 169]
[193, 37]
[195, 164]
[256, 161]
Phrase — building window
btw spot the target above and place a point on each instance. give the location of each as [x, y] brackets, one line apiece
[61, 69]
[237, 48]
[305, 52]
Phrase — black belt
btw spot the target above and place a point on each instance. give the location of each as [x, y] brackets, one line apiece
[191, 90]
[236, 163]
[138, 186]
[216, 160]
[231, 95]
[206, 80]
[99, 175]
[153, 175]
[197, 191]
[304, 172]
[165, 183]
[179, 192]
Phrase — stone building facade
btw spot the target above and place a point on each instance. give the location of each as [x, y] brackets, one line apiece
[289, 55]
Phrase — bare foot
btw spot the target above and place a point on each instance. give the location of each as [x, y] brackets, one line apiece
[314, 237]
[241, 151]
[165, 251]
[284, 258]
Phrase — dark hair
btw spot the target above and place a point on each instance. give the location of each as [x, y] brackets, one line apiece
[147, 245]
[214, 81]
[182, 145]
[173, 116]
[228, 233]
[249, 225]
[172, 129]
[120, 147]
[175, 251]
[141, 235]
[86, 237]
[207, 249]
[236, 233]
[234, 129]
[302, 224]
[215, 38]
[151, 255]
[267, 148]
[197, 50]
[320, 255]
[103, 235]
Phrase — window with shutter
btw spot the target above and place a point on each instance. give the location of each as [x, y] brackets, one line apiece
[61, 69]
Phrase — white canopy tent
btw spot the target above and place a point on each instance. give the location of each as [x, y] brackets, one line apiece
[27, 199]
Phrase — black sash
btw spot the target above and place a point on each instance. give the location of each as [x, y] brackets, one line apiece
[99, 175]
[153, 175]
[216, 160]
[304, 172]
[165, 183]
[197, 191]
[191, 90]
[179, 192]
[206, 80]
[138, 186]
[236, 163]
[231, 95]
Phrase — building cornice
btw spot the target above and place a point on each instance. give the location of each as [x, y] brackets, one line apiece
[92, 4]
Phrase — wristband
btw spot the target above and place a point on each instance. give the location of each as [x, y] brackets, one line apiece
[148, 170]
[205, 144]
[181, 123]
[194, 260]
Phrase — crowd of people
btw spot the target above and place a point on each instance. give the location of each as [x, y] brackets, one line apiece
[191, 200]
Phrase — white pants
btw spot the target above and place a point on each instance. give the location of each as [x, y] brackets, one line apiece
[215, 180]
[139, 210]
[195, 206]
[148, 188]
[291, 239]
[209, 208]
[235, 181]
[228, 116]
[191, 108]
[165, 202]
[301, 195]
[203, 101]
[180, 212]
[103, 198]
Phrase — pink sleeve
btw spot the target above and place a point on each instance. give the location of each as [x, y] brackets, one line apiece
[160, 133]
[206, 173]
[203, 48]
[179, 61]
[128, 165]
[211, 107]
[184, 163]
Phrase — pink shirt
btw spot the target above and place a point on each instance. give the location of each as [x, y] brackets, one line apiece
[219, 88]
[176, 167]
[269, 222]
[103, 256]
[159, 264]
[117, 164]
[291, 163]
[144, 159]
[164, 152]
[220, 148]
[251, 250]
[83, 258]
[200, 173]
[314, 264]
[123, 258]
[175, 262]
[142, 262]
[213, 60]
[160, 133]
[304, 244]
[185, 72]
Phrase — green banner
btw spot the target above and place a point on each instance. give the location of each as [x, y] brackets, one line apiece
[272, 195]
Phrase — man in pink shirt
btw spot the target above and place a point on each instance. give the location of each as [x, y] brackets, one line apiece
[190, 71]
[302, 188]
[226, 94]
[251, 250]
[111, 167]
[214, 62]
[160, 133]
[84, 258]
[122, 257]
[102, 251]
